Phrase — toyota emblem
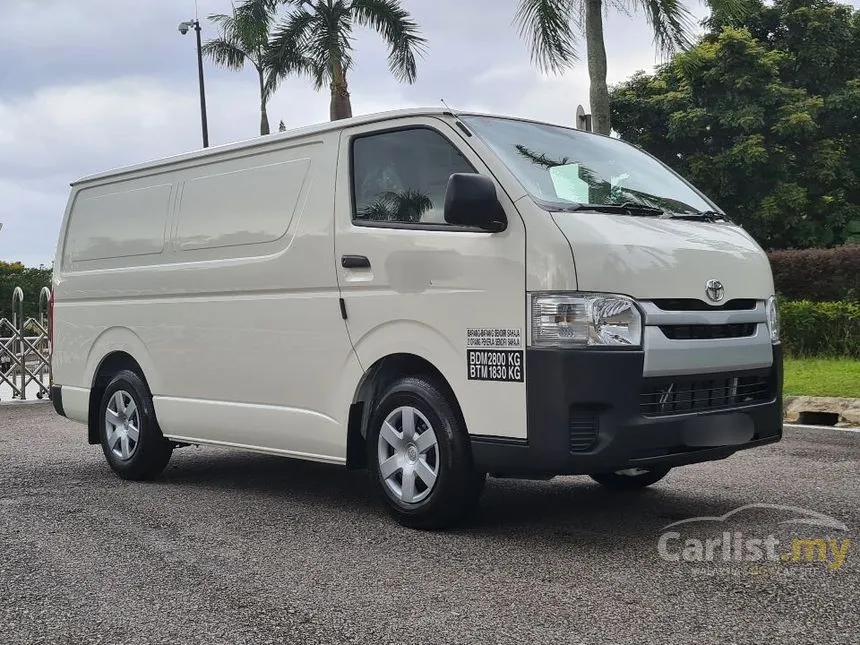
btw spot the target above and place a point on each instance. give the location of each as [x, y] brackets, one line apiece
[715, 290]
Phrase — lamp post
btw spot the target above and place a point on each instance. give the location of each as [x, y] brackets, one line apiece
[183, 29]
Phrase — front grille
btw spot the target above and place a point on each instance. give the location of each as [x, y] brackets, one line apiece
[708, 332]
[703, 393]
[692, 304]
[582, 431]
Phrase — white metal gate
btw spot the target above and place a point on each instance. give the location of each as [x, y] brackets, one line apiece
[25, 350]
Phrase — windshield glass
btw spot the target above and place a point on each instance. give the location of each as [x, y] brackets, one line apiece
[563, 166]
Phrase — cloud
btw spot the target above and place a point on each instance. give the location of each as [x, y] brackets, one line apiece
[92, 123]
[503, 74]
[30, 226]
[61, 133]
[89, 85]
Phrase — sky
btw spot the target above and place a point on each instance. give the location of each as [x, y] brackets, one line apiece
[91, 85]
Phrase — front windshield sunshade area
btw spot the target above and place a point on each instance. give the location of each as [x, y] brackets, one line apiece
[563, 167]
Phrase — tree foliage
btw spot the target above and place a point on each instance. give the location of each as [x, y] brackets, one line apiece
[31, 280]
[244, 38]
[316, 39]
[551, 28]
[763, 115]
[392, 206]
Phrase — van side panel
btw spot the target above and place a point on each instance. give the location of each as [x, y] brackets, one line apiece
[208, 207]
[237, 317]
[122, 224]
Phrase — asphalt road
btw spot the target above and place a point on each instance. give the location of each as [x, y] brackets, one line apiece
[230, 547]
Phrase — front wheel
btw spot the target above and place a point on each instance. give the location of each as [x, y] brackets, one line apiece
[419, 456]
[631, 478]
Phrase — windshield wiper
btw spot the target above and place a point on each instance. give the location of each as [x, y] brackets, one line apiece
[643, 210]
[627, 208]
[708, 216]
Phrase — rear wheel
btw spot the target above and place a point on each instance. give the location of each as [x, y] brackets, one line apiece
[631, 478]
[419, 455]
[131, 439]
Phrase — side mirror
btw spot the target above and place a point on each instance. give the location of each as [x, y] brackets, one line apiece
[471, 201]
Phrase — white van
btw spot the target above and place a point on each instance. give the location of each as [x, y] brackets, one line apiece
[433, 296]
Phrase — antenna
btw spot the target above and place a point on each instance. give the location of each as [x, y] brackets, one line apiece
[447, 107]
[457, 120]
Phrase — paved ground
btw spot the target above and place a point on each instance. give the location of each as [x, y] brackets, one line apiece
[239, 548]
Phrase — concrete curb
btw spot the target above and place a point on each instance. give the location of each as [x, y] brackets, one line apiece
[802, 426]
[799, 409]
[26, 402]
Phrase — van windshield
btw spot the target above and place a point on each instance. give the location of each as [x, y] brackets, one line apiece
[565, 169]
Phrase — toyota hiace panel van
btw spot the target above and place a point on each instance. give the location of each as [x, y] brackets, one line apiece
[432, 296]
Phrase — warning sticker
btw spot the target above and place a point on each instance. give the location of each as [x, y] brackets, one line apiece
[494, 338]
[495, 365]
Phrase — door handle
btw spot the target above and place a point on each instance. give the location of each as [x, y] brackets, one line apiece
[354, 262]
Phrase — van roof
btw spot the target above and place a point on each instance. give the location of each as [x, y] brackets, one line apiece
[268, 139]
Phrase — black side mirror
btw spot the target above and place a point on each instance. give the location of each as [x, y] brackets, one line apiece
[471, 201]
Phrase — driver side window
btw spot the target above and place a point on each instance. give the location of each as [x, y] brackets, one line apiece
[401, 176]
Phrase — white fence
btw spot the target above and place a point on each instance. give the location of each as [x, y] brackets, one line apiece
[25, 351]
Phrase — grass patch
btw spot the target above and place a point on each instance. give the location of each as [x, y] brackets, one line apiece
[822, 377]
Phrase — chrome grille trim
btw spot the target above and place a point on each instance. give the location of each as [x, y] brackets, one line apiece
[654, 315]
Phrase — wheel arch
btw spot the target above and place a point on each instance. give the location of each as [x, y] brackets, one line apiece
[370, 388]
[109, 365]
[121, 340]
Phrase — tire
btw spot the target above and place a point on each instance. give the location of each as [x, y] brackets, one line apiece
[455, 487]
[624, 480]
[145, 457]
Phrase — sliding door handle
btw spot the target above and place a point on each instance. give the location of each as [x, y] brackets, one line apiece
[354, 262]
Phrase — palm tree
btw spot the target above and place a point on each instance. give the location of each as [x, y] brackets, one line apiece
[539, 158]
[316, 39]
[244, 38]
[392, 206]
[548, 26]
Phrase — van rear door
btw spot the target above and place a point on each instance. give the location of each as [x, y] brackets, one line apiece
[413, 284]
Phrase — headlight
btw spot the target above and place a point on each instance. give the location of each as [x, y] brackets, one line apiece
[586, 319]
[773, 319]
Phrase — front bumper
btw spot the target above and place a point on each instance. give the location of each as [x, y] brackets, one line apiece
[586, 415]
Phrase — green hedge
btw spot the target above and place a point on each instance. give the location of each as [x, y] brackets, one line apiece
[822, 275]
[820, 328]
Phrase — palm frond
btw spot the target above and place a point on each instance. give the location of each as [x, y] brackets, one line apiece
[399, 30]
[258, 11]
[729, 12]
[546, 26]
[392, 206]
[671, 22]
[286, 50]
[733, 8]
[253, 21]
[333, 41]
[224, 22]
[224, 54]
[247, 28]
[539, 158]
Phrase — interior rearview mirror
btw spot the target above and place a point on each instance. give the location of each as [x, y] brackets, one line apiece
[471, 201]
